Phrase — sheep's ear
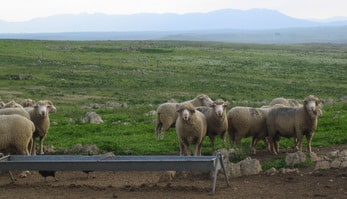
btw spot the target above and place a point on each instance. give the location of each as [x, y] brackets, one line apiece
[226, 104]
[212, 104]
[177, 108]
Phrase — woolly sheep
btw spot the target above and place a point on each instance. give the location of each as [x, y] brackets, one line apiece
[39, 115]
[167, 115]
[191, 128]
[12, 111]
[27, 103]
[17, 132]
[285, 102]
[294, 122]
[12, 104]
[217, 123]
[247, 122]
[2, 104]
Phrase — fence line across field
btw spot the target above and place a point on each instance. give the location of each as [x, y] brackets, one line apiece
[116, 163]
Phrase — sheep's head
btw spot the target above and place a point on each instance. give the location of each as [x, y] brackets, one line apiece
[12, 104]
[312, 105]
[219, 106]
[28, 103]
[42, 108]
[205, 100]
[185, 110]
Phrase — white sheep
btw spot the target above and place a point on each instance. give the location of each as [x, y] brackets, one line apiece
[191, 128]
[12, 104]
[16, 132]
[27, 103]
[12, 111]
[247, 122]
[285, 102]
[39, 115]
[167, 114]
[2, 104]
[294, 122]
[217, 123]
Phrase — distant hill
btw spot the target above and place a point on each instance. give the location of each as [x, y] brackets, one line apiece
[256, 25]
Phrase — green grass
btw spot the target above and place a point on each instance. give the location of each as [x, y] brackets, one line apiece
[143, 74]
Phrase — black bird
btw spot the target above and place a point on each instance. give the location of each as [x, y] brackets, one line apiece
[45, 174]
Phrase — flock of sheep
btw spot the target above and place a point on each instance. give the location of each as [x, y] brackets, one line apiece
[200, 117]
[21, 124]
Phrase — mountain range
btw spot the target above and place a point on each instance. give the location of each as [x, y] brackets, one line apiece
[192, 26]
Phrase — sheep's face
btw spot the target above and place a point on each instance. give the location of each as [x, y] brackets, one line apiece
[219, 109]
[186, 114]
[312, 104]
[42, 109]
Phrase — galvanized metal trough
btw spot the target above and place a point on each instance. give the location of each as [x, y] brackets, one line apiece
[116, 163]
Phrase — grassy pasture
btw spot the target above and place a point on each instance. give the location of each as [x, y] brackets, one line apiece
[143, 74]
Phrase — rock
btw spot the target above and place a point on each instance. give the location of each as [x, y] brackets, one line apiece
[250, 167]
[270, 172]
[235, 170]
[335, 164]
[314, 157]
[323, 164]
[293, 159]
[93, 118]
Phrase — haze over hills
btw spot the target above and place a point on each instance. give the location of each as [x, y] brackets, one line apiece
[259, 25]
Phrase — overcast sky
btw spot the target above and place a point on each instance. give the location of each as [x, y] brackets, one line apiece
[23, 10]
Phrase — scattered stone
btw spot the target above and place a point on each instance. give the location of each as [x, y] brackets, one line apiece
[250, 167]
[92, 117]
[270, 172]
[323, 164]
[293, 159]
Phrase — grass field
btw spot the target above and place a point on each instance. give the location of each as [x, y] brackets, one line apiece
[142, 74]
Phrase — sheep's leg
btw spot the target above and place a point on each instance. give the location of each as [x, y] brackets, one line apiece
[298, 146]
[267, 144]
[224, 137]
[272, 145]
[158, 130]
[164, 127]
[309, 137]
[197, 151]
[212, 143]
[41, 145]
[253, 145]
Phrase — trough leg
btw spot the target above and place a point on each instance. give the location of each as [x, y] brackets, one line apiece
[11, 176]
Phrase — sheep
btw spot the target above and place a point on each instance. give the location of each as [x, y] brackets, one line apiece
[294, 122]
[167, 115]
[217, 123]
[27, 103]
[2, 104]
[12, 104]
[39, 115]
[12, 111]
[191, 128]
[285, 102]
[16, 131]
[247, 122]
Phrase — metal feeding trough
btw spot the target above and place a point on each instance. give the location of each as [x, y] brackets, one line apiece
[115, 163]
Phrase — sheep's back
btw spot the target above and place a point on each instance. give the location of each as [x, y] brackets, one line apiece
[15, 128]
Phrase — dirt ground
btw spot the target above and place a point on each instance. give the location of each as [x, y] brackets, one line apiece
[308, 183]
